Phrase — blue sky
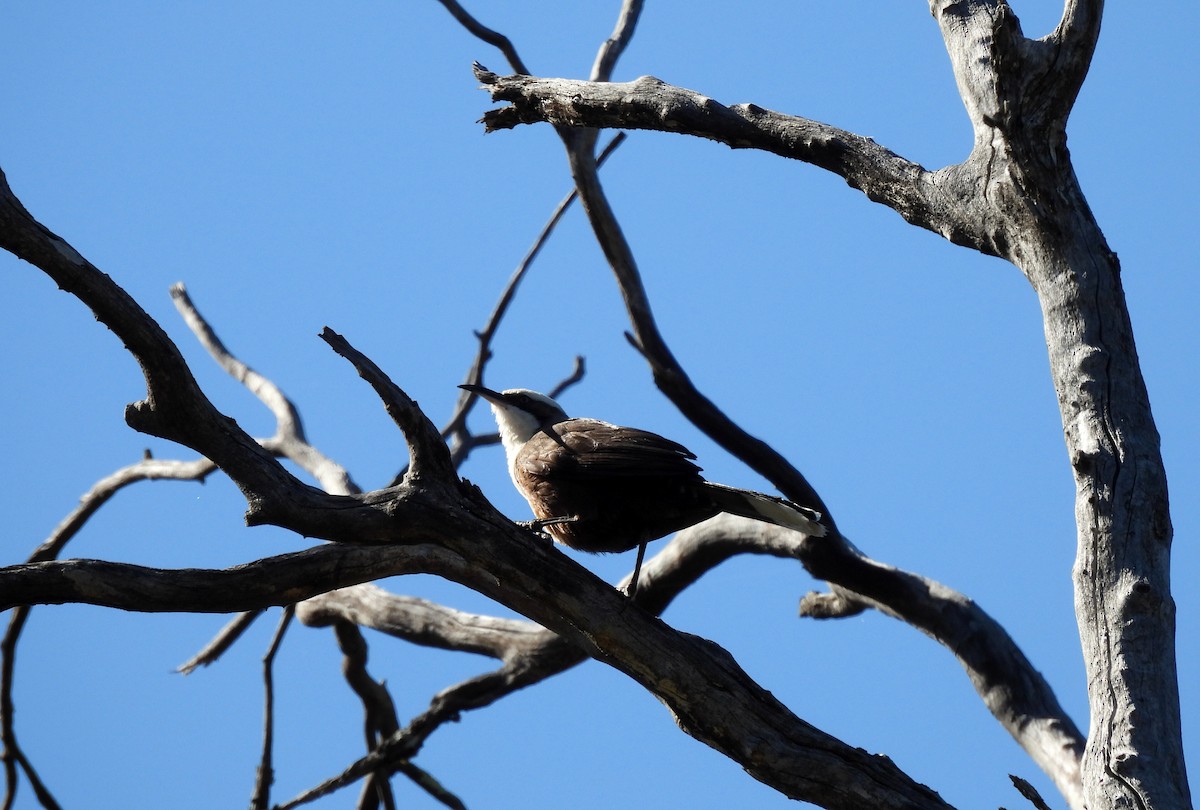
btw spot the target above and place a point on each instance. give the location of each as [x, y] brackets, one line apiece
[299, 165]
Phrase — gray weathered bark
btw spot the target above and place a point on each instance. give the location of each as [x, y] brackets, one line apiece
[1016, 196]
[431, 522]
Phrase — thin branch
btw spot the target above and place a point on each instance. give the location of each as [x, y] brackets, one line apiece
[379, 711]
[40, 791]
[462, 441]
[1029, 792]
[486, 34]
[92, 500]
[272, 581]
[174, 408]
[289, 440]
[427, 451]
[286, 416]
[420, 621]
[433, 787]
[223, 640]
[266, 773]
[614, 46]
[926, 199]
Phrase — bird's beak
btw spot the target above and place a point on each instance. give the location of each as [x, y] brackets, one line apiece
[486, 393]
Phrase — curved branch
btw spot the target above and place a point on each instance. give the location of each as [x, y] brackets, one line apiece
[462, 442]
[1076, 37]
[289, 440]
[1010, 686]
[421, 621]
[429, 456]
[92, 500]
[478, 29]
[261, 797]
[924, 198]
[221, 642]
[1012, 689]
[174, 408]
[269, 582]
[712, 698]
[669, 375]
[614, 46]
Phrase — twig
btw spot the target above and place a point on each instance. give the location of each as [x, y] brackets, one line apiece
[289, 440]
[614, 46]
[224, 639]
[1006, 680]
[462, 441]
[486, 34]
[1029, 792]
[92, 500]
[266, 773]
[379, 712]
[431, 786]
[428, 455]
[420, 621]
[40, 790]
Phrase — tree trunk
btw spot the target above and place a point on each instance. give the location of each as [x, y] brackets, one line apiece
[1019, 93]
[1016, 196]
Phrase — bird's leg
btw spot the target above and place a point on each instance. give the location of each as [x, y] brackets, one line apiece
[637, 569]
[540, 524]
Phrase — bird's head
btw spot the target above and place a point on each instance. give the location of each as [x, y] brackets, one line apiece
[520, 413]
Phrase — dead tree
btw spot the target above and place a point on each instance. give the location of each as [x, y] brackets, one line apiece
[1014, 197]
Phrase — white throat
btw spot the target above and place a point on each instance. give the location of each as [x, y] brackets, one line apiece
[516, 428]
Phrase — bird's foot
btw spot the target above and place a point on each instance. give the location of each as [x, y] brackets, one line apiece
[538, 527]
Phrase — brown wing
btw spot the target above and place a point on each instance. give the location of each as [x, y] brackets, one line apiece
[619, 486]
[597, 450]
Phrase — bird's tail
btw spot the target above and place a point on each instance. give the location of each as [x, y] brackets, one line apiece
[769, 508]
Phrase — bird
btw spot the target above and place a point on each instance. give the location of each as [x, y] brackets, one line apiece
[599, 487]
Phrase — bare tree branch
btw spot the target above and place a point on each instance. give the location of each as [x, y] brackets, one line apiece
[421, 621]
[431, 786]
[1029, 792]
[1015, 693]
[92, 500]
[289, 440]
[711, 696]
[921, 197]
[486, 34]
[261, 798]
[428, 453]
[462, 441]
[1071, 47]
[174, 408]
[379, 712]
[614, 46]
[221, 642]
